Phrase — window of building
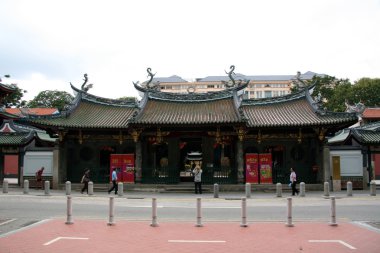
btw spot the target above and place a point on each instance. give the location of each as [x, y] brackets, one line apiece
[259, 94]
[268, 93]
[210, 86]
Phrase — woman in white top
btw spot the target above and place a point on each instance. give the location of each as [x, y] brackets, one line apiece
[293, 181]
[197, 172]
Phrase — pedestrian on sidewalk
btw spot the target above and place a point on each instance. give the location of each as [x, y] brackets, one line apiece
[114, 182]
[197, 172]
[39, 178]
[293, 181]
[85, 180]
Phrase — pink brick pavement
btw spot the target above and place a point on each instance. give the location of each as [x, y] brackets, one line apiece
[218, 237]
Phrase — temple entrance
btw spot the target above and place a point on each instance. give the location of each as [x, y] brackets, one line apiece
[190, 154]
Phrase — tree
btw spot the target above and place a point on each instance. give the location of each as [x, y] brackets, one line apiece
[51, 99]
[14, 99]
[366, 90]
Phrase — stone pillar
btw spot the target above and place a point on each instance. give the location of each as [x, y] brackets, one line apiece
[138, 162]
[90, 188]
[55, 168]
[326, 165]
[240, 161]
[68, 188]
[5, 186]
[349, 189]
[302, 189]
[120, 190]
[279, 190]
[26, 186]
[216, 191]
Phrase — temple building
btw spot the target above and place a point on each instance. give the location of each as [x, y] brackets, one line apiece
[158, 139]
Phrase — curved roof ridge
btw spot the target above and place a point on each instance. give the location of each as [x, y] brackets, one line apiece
[272, 100]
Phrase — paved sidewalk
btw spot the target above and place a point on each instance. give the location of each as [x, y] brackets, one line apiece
[96, 236]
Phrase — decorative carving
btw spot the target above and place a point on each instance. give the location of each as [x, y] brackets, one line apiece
[85, 87]
[80, 137]
[259, 137]
[241, 133]
[120, 137]
[299, 83]
[151, 77]
[160, 136]
[357, 108]
[232, 83]
[299, 139]
[135, 133]
[61, 135]
[321, 132]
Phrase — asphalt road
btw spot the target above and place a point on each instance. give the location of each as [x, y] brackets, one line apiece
[18, 210]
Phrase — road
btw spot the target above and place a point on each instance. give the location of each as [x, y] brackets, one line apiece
[18, 210]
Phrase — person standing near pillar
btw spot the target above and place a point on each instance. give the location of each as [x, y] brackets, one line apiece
[293, 181]
[114, 182]
[85, 180]
[197, 172]
[39, 183]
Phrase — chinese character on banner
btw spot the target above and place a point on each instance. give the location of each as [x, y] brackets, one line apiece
[252, 168]
[265, 161]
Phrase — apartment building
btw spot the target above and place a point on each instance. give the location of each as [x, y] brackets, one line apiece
[260, 86]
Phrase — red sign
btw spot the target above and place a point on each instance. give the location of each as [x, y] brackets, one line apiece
[125, 167]
[252, 168]
[265, 161]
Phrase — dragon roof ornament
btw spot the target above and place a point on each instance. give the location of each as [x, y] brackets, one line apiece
[232, 82]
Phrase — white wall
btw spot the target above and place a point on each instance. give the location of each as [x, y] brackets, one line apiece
[34, 160]
[351, 162]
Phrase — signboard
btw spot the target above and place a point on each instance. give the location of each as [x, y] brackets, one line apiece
[252, 168]
[125, 167]
[265, 161]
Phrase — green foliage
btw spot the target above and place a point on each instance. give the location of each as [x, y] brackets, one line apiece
[335, 93]
[367, 91]
[51, 99]
[15, 99]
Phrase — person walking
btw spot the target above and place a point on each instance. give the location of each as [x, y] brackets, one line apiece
[197, 172]
[39, 178]
[293, 181]
[114, 182]
[85, 180]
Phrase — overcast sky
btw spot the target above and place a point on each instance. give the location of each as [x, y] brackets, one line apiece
[45, 45]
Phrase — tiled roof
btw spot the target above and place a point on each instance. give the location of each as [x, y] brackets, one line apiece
[371, 113]
[296, 112]
[91, 115]
[366, 136]
[171, 79]
[21, 112]
[171, 112]
[16, 139]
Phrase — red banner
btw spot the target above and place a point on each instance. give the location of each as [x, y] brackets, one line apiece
[265, 161]
[252, 168]
[125, 167]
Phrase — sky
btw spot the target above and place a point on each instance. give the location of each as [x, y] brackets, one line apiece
[46, 44]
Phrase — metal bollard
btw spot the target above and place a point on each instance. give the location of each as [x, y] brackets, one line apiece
[302, 189]
[111, 215]
[5, 186]
[247, 190]
[349, 189]
[69, 211]
[90, 188]
[372, 187]
[326, 189]
[243, 213]
[216, 191]
[333, 212]
[68, 188]
[47, 187]
[120, 189]
[199, 213]
[26, 186]
[289, 221]
[279, 190]
[154, 213]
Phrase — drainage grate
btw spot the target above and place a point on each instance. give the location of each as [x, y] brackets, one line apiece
[29, 223]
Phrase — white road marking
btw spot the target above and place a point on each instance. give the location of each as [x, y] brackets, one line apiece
[195, 241]
[337, 241]
[8, 221]
[64, 238]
